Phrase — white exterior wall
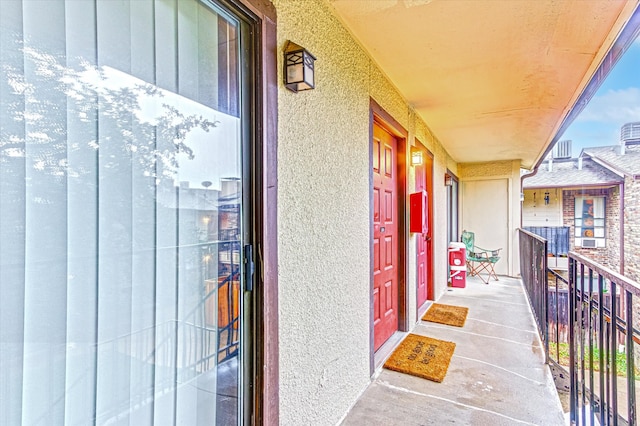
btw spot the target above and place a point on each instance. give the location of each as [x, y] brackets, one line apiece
[536, 213]
[482, 216]
[485, 212]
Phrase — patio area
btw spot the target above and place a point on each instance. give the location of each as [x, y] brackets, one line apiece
[497, 374]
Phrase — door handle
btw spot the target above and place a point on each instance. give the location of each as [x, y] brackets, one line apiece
[249, 267]
[382, 229]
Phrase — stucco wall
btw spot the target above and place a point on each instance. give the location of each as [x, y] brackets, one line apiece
[324, 216]
[442, 161]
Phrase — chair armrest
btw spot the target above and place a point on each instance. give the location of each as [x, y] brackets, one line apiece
[494, 252]
[479, 254]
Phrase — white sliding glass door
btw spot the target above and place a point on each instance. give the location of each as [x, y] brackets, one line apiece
[121, 213]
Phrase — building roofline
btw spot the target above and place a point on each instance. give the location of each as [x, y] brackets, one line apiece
[589, 185]
[606, 164]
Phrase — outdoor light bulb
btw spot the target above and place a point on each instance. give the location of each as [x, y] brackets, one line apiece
[416, 158]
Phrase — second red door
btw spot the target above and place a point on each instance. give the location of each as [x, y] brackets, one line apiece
[424, 180]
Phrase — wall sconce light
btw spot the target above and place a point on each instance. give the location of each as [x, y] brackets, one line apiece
[448, 179]
[416, 157]
[298, 68]
[546, 198]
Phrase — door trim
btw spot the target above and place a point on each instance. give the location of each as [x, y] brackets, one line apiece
[430, 296]
[378, 115]
[450, 211]
[265, 401]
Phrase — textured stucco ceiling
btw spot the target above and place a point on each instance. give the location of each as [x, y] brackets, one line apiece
[492, 79]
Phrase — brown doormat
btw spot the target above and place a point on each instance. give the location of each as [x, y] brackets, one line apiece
[446, 314]
[422, 356]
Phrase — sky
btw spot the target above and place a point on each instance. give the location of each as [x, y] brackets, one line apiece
[616, 102]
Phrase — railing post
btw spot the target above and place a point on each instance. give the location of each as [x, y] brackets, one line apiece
[590, 329]
[581, 328]
[631, 371]
[614, 352]
[545, 303]
[603, 393]
[573, 396]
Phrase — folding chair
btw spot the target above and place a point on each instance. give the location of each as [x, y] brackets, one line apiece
[479, 259]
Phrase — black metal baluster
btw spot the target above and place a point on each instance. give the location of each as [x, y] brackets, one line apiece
[572, 355]
[590, 325]
[614, 351]
[603, 394]
[545, 302]
[580, 291]
[631, 374]
[557, 322]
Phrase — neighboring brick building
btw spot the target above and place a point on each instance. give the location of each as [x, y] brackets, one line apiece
[549, 205]
[596, 179]
[624, 160]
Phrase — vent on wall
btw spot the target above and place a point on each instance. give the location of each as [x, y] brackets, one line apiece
[562, 149]
[588, 242]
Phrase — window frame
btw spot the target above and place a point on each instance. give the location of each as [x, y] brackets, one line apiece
[599, 241]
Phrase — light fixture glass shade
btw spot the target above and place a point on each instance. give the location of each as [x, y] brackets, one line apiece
[298, 68]
[416, 157]
[448, 180]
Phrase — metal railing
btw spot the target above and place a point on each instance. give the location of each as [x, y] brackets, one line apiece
[588, 322]
[603, 332]
[533, 267]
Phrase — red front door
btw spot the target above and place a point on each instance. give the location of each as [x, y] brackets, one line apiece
[424, 180]
[385, 236]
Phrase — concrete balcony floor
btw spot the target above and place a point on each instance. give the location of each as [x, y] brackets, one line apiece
[497, 374]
